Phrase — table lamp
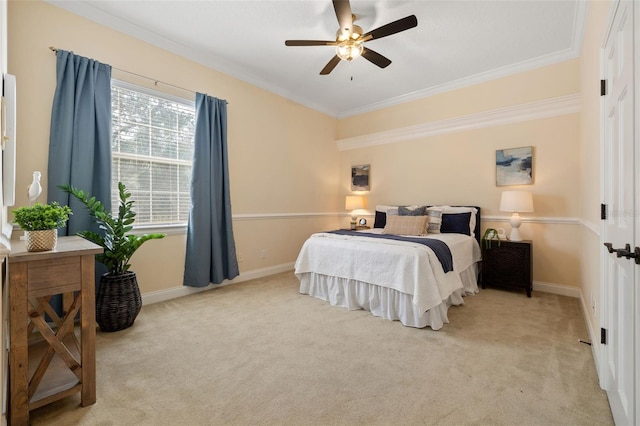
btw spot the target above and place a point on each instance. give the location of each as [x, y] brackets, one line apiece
[353, 203]
[516, 202]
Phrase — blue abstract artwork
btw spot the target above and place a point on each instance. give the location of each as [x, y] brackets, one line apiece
[514, 166]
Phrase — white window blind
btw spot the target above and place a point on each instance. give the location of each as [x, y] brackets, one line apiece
[152, 148]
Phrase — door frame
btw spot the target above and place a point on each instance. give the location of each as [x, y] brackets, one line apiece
[636, 121]
[604, 309]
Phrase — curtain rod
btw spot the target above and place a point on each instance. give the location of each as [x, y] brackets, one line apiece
[55, 50]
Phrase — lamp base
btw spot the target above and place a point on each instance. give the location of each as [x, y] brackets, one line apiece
[515, 225]
[515, 235]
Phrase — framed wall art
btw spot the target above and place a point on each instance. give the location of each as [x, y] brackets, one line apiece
[360, 177]
[514, 166]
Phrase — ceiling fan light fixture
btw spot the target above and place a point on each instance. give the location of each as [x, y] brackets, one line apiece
[349, 50]
[350, 38]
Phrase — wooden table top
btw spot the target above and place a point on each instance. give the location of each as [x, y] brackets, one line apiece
[66, 246]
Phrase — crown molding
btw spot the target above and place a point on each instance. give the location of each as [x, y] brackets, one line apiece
[493, 74]
[562, 105]
[91, 10]
[579, 18]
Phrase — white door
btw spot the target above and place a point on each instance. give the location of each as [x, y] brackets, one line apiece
[618, 304]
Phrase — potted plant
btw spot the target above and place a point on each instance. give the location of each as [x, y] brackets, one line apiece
[40, 224]
[490, 234]
[118, 301]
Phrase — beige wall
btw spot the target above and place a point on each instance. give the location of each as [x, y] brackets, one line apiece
[272, 190]
[458, 167]
[535, 85]
[591, 197]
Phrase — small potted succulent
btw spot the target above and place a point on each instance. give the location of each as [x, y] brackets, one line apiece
[40, 224]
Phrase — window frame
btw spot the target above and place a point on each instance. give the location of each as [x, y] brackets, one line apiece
[168, 228]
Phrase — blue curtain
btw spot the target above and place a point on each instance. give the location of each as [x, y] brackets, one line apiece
[80, 136]
[211, 250]
[80, 141]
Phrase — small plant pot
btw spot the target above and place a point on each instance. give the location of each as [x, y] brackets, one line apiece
[41, 240]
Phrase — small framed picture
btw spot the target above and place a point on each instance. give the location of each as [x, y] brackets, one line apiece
[514, 166]
[360, 178]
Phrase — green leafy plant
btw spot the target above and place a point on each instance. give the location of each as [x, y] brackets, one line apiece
[117, 243]
[40, 217]
[490, 234]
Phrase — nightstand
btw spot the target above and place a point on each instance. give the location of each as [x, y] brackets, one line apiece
[508, 265]
[46, 360]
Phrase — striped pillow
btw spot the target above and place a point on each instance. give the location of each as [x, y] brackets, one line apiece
[435, 219]
[406, 225]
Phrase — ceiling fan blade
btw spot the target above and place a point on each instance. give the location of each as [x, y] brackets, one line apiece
[375, 58]
[331, 65]
[391, 28]
[344, 15]
[309, 43]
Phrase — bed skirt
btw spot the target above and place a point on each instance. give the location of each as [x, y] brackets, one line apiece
[385, 302]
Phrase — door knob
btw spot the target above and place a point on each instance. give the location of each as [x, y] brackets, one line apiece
[625, 252]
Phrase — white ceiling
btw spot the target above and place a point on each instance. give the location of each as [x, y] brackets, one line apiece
[456, 43]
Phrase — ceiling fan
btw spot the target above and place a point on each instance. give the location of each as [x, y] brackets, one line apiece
[350, 40]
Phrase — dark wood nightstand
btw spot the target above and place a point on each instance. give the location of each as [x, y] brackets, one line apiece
[508, 265]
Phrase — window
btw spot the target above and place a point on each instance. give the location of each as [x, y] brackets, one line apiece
[152, 148]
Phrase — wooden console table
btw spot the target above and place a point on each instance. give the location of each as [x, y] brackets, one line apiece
[51, 364]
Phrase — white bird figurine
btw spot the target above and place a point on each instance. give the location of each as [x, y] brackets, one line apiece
[34, 190]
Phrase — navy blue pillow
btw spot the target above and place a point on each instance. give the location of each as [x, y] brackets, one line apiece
[455, 223]
[380, 220]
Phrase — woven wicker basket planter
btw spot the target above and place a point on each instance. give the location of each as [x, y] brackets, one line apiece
[41, 240]
[118, 301]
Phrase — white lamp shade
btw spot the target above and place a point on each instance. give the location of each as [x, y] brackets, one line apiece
[516, 201]
[354, 202]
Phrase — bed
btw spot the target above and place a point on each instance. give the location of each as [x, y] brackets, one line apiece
[400, 269]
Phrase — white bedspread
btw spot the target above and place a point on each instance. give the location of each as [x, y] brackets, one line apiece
[407, 267]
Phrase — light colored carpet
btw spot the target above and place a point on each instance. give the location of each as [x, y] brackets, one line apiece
[261, 353]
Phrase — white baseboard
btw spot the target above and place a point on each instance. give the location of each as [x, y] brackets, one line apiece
[174, 292]
[594, 339]
[563, 290]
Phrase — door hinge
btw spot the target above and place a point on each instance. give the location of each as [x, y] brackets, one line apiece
[603, 336]
[603, 211]
[603, 87]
